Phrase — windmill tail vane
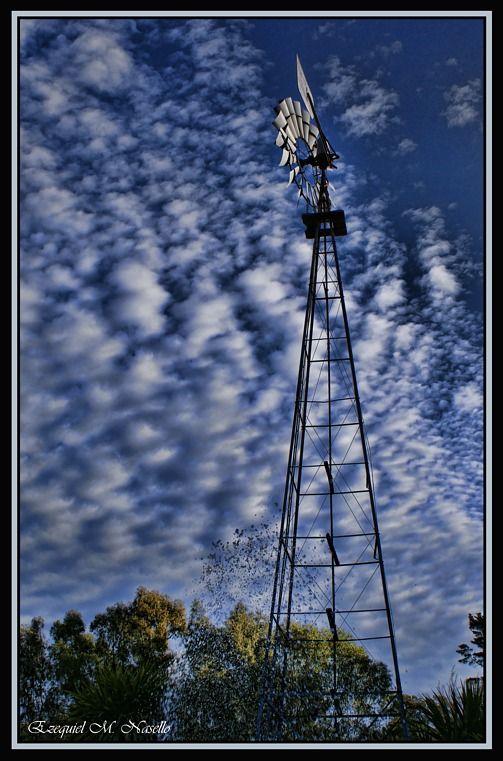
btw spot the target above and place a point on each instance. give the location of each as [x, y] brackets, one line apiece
[305, 147]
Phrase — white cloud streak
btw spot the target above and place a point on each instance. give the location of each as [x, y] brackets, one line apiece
[463, 103]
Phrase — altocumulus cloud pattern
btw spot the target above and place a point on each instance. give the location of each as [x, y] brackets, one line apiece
[163, 283]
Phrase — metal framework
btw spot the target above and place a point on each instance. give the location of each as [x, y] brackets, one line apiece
[330, 591]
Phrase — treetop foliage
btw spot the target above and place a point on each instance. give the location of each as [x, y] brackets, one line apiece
[207, 687]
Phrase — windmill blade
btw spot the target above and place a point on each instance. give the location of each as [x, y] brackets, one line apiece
[290, 132]
[291, 145]
[293, 174]
[312, 139]
[304, 89]
[280, 121]
[289, 104]
[298, 117]
[286, 157]
[301, 126]
[283, 108]
[313, 135]
[281, 139]
[284, 141]
[292, 123]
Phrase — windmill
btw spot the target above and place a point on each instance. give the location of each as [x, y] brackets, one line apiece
[330, 595]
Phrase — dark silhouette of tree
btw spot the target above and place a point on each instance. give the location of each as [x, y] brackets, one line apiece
[474, 656]
[39, 695]
[120, 699]
[455, 713]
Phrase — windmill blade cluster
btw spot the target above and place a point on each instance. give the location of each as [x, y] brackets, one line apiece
[293, 124]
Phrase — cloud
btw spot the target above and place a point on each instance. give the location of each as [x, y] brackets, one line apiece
[140, 298]
[372, 108]
[442, 280]
[101, 61]
[436, 253]
[468, 398]
[405, 146]
[390, 294]
[451, 61]
[393, 48]
[323, 30]
[462, 103]
[331, 27]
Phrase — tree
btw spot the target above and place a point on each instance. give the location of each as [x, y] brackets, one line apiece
[72, 653]
[137, 632]
[33, 669]
[209, 691]
[468, 654]
[79, 671]
[214, 690]
[39, 697]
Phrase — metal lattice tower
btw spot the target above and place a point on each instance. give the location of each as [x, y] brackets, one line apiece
[329, 570]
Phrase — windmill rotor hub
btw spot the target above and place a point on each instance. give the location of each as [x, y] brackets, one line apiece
[322, 161]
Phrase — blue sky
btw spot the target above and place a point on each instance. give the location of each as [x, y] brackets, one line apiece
[163, 281]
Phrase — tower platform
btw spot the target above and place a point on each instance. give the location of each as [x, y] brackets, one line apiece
[335, 220]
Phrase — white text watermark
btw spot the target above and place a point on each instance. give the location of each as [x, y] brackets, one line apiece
[99, 727]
